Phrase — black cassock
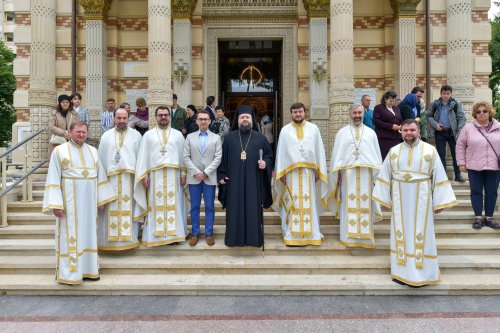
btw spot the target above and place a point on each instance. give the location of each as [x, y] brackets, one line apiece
[243, 190]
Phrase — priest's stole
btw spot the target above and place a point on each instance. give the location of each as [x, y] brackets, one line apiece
[120, 211]
[163, 199]
[357, 203]
[298, 201]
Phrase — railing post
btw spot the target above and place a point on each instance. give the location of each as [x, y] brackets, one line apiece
[25, 170]
[29, 162]
[3, 200]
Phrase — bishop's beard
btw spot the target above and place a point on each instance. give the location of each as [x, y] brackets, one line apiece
[245, 128]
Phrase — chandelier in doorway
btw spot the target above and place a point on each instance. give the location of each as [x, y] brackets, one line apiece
[251, 75]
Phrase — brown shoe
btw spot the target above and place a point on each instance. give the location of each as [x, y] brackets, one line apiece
[490, 222]
[478, 223]
[194, 240]
[210, 240]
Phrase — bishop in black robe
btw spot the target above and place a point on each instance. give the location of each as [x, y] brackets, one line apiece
[247, 188]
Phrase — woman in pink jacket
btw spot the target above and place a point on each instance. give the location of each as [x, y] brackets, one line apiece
[477, 152]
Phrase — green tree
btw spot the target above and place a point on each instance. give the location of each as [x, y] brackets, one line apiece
[7, 88]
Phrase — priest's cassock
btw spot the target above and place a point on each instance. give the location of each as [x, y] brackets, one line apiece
[118, 154]
[164, 204]
[414, 184]
[354, 165]
[76, 183]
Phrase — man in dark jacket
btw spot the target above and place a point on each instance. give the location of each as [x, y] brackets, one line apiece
[179, 114]
[446, 119]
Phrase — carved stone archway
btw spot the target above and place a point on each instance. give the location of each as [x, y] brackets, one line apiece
[285, 32]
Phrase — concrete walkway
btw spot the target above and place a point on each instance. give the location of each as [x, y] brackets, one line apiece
[250, 314]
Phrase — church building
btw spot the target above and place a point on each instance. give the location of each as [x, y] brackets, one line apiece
[266, 53]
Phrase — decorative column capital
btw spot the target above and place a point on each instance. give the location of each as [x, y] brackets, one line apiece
[317, 8]
[405, 8]
[183, 9]
[96, 9]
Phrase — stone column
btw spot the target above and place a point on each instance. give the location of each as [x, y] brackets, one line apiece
[318, 11]
[459, 50]
[159, 56]
[182, 47]
[405, 13]
[42, 92]
[341, 66]
[96, 12]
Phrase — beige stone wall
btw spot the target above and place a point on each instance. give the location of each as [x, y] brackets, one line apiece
[373, 48]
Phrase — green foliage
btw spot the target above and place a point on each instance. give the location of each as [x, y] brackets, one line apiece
[7, 88]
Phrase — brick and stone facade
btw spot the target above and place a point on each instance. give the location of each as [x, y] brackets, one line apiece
[374, 51]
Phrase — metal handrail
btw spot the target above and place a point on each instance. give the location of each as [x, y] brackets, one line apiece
[17, 182]
[19, 144]
[27, 185]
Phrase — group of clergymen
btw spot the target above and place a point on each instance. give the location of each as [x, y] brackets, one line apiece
[132, 181]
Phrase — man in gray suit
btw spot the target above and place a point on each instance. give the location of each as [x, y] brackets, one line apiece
[202, 156]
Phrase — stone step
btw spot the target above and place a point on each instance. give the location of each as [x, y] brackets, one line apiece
[382, 230]
[204, 263]
[273, 246]
[243, 284]
[36, 206]
[270, 217]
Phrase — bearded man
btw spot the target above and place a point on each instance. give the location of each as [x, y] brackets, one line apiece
[245, 176]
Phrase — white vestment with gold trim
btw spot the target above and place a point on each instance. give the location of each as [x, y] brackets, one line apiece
[118, 155]
[76, 183]
[300, 158]
[164, 204]
[354, 165]
[414, 184]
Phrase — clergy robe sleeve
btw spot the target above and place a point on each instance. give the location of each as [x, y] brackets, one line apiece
[53, 198]
[140, 196]
[268, 158]
[180, 148]
[383, 187]
[105, 193]
[221, 170]
[442, 192]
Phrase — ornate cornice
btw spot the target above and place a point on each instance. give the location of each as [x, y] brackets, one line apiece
[183, 8]
[96, 9]
[224, 10]
[405, 8]
[317, 8]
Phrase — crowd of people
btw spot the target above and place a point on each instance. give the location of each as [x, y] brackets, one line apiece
[141, 183]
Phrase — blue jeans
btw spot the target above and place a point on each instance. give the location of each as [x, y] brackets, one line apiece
[195, 192]
[441, 139]
[488, 181]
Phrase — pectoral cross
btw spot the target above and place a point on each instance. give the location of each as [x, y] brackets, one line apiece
[356, 153]
[117, 157]
[163, 151]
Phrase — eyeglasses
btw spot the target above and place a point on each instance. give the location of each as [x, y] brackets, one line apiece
[163, 115]
[203, 119]
[482, 111]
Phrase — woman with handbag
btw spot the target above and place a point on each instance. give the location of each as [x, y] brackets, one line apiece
[60, 120]
[477, 152]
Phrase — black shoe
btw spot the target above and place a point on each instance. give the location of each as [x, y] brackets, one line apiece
[406, 284]
[91, 279]
[459, 179]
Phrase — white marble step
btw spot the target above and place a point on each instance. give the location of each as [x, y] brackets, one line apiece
[460, 228]
[243, 284]
[273, 244]
[145, 264]
[270, 218]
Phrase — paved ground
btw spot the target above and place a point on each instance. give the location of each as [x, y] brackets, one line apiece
[250, 314]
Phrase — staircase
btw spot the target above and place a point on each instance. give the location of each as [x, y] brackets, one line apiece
[469, 261]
